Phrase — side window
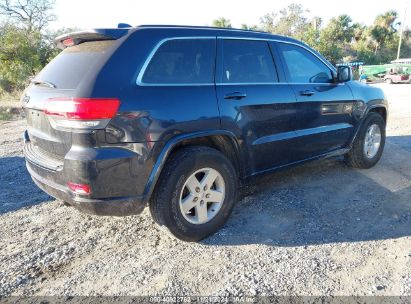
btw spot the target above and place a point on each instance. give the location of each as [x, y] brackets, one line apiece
[182, 61]
[303, 66]
[248, 61]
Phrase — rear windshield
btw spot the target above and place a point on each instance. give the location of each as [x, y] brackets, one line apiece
[67, 70]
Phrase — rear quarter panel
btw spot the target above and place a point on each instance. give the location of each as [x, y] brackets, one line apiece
[153, 113]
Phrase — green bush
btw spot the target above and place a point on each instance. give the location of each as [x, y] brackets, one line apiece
[22, 55]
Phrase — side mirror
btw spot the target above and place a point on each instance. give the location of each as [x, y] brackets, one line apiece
[344, 73]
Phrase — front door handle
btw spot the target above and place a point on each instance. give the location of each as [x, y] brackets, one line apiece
[235, 96]
[306, 93]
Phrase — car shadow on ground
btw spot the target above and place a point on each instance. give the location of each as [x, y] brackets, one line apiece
[317, 203]
[326, 202]
[17, 188]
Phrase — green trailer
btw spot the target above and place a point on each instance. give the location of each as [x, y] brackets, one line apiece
[377, 72]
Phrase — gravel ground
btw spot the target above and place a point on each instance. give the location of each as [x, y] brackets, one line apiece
[318, 229]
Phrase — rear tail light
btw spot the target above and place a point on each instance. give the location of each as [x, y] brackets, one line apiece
[79, 188]
[81, 113]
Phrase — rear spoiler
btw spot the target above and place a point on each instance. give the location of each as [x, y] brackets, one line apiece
[75, 38]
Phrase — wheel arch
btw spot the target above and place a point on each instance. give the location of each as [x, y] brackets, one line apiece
[221, 140]
[380, 109]
[376, 108]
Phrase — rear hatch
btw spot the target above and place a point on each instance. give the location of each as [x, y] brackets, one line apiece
[83, 56]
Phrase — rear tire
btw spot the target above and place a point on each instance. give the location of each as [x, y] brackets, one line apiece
[367, 150]
[183, 180]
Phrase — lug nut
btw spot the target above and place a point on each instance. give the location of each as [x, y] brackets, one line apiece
[202, 202]
[207, 195]
[197, 189]
[205, 188]
[195, 199]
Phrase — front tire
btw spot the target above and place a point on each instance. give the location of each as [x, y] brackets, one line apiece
[195, 193]
[368, 144]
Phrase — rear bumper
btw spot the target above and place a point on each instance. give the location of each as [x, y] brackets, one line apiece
[115, 207]
[116, 177]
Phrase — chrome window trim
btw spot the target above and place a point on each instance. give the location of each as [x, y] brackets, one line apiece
[161, 42]
[280, 41]
[277, 41]
[275, 83]
[247, 83]
[191, 84]
[151, 55]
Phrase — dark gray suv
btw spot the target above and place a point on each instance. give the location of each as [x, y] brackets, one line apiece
[180, 117]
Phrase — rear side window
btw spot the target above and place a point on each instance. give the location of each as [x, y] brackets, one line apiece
[248, 61]
[303, 67]
[182, 61]
[67, 70]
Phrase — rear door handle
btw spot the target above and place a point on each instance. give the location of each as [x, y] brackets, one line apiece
[306, 93]
[235, 95]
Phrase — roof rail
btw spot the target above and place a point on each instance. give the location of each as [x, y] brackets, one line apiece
[199, 27]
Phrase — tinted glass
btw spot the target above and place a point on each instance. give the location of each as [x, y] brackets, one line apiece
[303, 66]
[247, 61]
[182, 61]
[68, 69]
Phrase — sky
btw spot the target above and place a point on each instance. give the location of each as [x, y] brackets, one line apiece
[104, 13]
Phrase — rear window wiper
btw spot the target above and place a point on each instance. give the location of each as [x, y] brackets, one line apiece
[44, 83]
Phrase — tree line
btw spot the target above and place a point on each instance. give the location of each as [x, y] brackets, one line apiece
[27, 43]
[341, 39]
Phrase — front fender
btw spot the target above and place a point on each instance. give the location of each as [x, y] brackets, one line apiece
[367, 98]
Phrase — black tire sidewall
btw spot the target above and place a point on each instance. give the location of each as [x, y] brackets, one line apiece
[373, 118]
[182, 166]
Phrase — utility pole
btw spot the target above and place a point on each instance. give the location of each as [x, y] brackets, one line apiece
[401, 32]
